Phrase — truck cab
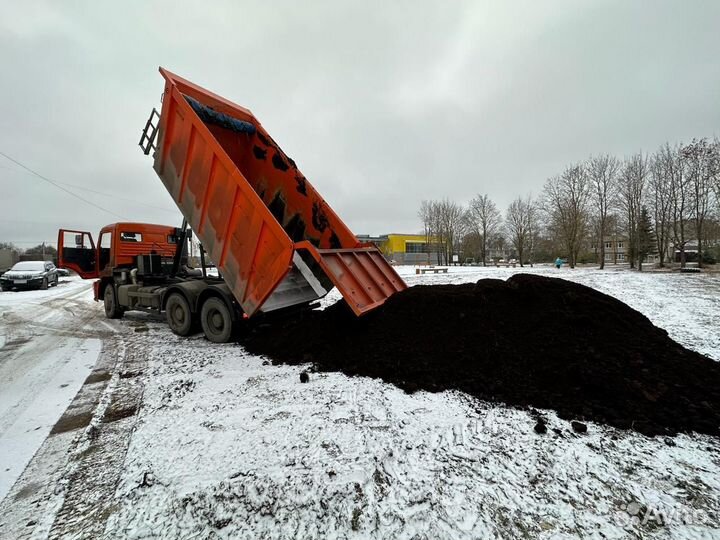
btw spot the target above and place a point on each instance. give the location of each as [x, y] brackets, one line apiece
[117, 249]
[142, 266]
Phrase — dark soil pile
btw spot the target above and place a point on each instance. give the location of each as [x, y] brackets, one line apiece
[529, 341]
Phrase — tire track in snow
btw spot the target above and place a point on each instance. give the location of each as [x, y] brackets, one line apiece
[96, 464]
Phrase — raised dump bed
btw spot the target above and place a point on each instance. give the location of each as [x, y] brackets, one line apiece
[271, 234]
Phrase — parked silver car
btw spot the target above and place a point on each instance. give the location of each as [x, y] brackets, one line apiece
[30, 275]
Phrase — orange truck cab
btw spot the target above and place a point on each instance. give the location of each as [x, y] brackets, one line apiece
[142, 267]
[118, 247]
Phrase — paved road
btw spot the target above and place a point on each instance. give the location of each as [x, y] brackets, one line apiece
[69, 392]
[44, 359]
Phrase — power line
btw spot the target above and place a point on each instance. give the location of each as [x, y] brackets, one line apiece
[46, 179]
[102, 193]
[117, 198]
[111, 195]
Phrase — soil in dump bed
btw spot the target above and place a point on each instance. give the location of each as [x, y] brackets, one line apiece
[528, 341]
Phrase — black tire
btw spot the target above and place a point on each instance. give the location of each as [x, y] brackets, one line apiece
[178, 315]
[216, 320]
[56, 281]
[44, 285]
[112, 310]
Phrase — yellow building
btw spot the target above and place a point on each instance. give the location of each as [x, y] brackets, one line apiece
[404, 248]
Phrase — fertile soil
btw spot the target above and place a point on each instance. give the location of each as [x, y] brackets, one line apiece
[529, 341]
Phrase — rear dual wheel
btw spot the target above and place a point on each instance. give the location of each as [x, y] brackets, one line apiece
[179, 315]
[216, 320]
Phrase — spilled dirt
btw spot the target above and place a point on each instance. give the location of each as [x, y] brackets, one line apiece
[530, 341]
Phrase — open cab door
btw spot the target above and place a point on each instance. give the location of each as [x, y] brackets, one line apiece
[76, 251]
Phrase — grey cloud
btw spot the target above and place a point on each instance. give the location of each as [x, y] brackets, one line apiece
[381, 104]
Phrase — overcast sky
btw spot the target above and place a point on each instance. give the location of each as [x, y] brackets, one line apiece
[380, 104]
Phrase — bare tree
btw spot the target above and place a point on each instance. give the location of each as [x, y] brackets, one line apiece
[445, 223]
[716, 172]
[566, 200]
[520, 221]
[602, 173]
[698, 159]
[453, 225]
[486, 221]
[429, 214]
[426, 215]
[632, 183]
[660, 198]
[679, 200]
[534, 226]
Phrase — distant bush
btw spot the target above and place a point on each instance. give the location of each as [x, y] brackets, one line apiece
[587, 258]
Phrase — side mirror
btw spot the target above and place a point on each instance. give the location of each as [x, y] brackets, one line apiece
[78, 240]
[179, 231]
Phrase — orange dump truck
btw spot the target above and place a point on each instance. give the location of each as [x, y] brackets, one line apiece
[271, 234]
[275, 241]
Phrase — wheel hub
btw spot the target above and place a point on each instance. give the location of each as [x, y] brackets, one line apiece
[216, 321]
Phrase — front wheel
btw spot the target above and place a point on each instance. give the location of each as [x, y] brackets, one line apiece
[178, 314]
[112, 309]
[44, 284]
[216, 320]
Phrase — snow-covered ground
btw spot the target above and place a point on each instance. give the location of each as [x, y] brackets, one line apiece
[224, 445]
[43, 364]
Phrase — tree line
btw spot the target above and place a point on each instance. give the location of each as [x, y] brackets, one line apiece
[658, 203]
[40, 249]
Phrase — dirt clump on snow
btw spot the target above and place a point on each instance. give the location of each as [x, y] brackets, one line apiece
[530, 341]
